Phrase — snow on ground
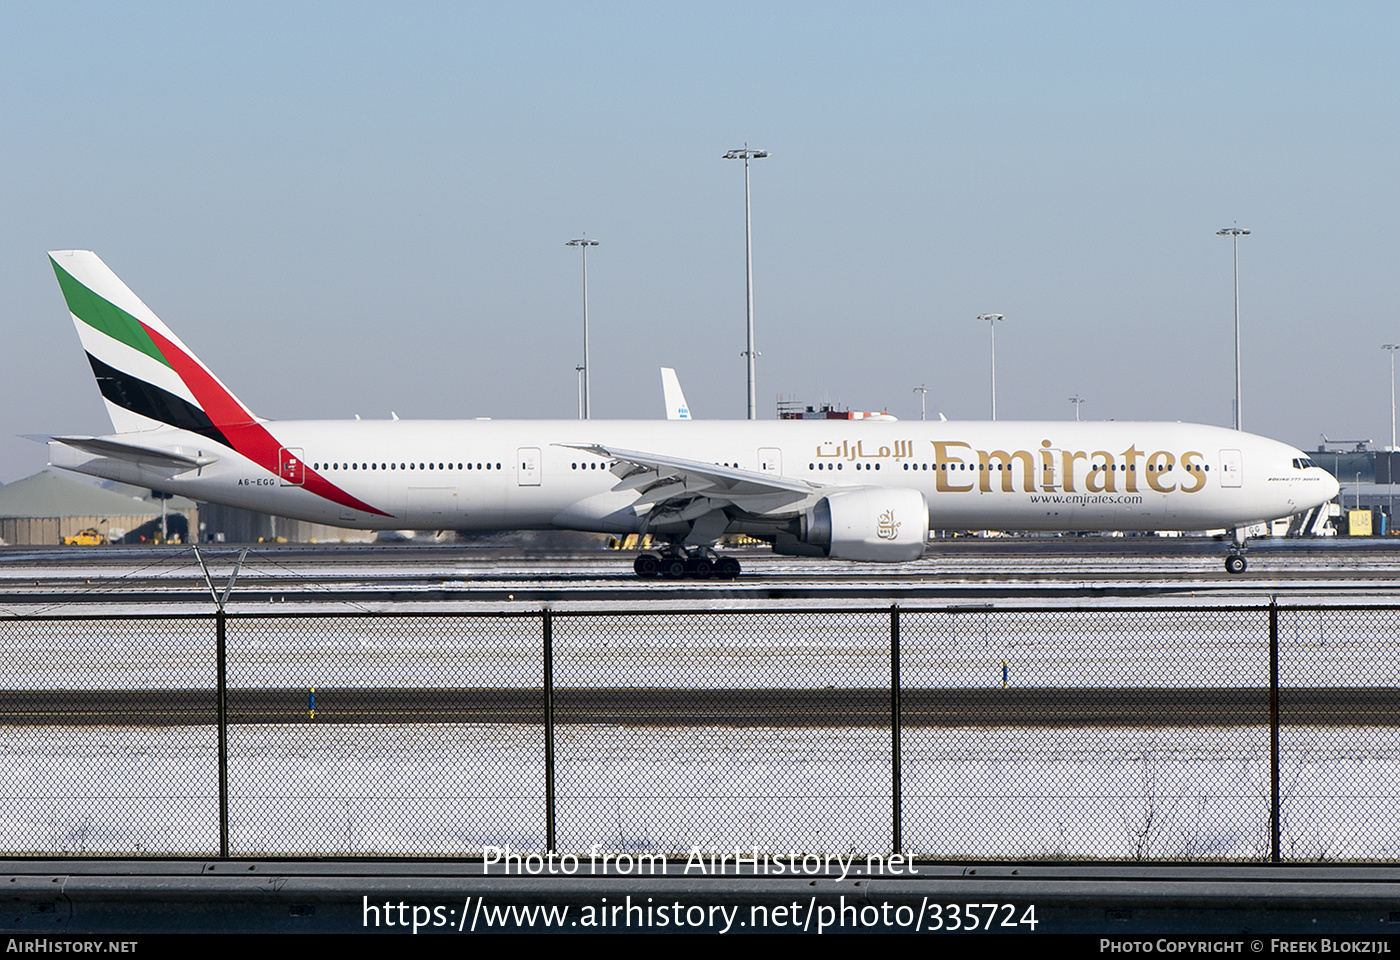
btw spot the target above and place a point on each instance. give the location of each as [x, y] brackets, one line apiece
[449, 790]
[1161, 648]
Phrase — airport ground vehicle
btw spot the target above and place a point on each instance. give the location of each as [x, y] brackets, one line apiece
[89, 537]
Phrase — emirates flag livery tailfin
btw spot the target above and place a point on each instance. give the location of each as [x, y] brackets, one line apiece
[150, 380]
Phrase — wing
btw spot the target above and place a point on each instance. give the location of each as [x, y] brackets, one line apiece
[684, 489]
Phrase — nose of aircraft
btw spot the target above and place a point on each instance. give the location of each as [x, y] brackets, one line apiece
[1331, 488]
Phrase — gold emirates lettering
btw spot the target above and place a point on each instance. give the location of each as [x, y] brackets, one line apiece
[1099, 470]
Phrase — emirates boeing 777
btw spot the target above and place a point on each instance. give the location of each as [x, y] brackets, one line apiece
[844, 489]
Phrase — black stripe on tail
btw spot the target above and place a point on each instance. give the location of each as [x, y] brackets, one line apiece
[151, 401]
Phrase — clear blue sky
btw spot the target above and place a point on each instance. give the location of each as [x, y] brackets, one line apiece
[352, 208]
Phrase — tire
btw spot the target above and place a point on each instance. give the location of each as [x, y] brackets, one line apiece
[1235, 564]
[646, 566]
[728, 568]
[673, 569]
[701, 568]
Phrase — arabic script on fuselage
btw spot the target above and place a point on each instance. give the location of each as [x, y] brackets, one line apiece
[1044, 470]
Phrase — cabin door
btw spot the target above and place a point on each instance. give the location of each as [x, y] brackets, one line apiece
[1052, 469]
[1231, 468]
[527, 461]
[290, 467]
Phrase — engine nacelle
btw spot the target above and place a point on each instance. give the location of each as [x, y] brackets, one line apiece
[873, 524]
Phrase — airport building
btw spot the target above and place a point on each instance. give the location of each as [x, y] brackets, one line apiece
[50, 506]
[224, 524]
[1369, 480]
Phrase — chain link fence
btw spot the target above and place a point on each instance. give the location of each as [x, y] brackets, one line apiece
[1168, 733]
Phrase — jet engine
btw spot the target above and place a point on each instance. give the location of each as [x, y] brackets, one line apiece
[874, 524]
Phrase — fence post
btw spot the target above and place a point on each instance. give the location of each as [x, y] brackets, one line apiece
[221, 694]
[896, 792]
[221, 656]
[1275, 853]
[548, 625]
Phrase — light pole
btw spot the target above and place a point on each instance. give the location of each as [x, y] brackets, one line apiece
[992, 320]
[745, 154]
[583, 243]
[1076, 400]
[1391, 348]
[1234, 233]
[922, 391]
[1390, 453]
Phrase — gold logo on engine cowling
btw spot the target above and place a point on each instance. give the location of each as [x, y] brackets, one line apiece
[887, 528]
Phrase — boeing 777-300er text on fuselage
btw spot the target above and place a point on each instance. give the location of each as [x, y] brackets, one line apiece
[835, 488]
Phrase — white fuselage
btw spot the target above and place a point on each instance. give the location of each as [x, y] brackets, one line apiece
[524, 474]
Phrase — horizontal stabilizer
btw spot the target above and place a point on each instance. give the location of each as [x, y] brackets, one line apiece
[121, 450]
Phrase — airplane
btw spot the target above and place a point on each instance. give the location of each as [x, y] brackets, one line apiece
[845, 489]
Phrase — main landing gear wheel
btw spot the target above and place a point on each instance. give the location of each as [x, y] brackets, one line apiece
[694, 567]
[700, 568]
[1235, 563]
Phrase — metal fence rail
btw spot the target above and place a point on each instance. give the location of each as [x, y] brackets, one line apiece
[1197, 734]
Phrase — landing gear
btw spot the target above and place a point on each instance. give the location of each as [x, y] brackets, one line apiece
[1235, 563]
[700, 568]
[699, 564]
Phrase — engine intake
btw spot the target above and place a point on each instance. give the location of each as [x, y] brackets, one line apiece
[872, 524]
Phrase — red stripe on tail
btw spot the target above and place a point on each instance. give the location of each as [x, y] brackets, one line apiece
[237, 423]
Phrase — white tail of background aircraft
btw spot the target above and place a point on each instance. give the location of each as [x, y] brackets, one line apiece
[676, 407]
[855, 490]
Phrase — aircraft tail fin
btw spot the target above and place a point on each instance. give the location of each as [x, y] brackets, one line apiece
[676, 408]
[148, 378]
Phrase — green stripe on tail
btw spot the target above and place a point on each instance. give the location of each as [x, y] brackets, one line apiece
[105, 316]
